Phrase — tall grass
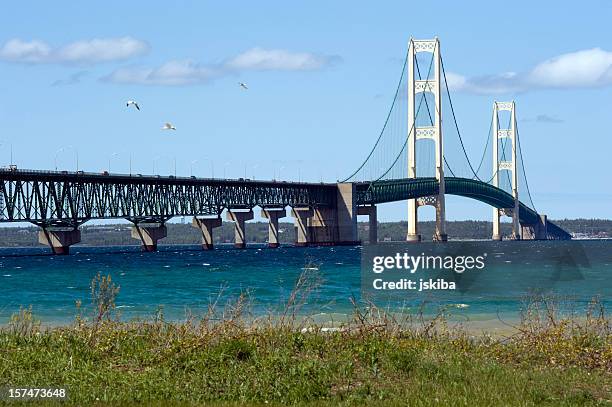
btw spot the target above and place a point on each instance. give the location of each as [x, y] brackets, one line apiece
[376, 357]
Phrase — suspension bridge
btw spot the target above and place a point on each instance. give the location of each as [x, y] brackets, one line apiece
[419, 157]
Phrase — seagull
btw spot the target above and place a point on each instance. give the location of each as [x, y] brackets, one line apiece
[132, 102]
[243, 85]
[168, 126]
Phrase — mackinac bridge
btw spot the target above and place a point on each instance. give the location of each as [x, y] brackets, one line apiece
[419, 156]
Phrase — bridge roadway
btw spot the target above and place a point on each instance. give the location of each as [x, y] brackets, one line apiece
[325, 213]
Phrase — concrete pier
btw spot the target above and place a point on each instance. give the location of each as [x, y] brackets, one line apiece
[206, 226]
[323, 227]
[59, 239]
[273, 215]
[371, 212]
[347, 214]
[537, 231]
[239, 217]
[302, 231]
[328, 225]
[496, 225]
[149, 234]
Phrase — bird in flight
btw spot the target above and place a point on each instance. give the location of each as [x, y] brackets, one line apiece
[243, 85]
[168, 126]
[132, 102]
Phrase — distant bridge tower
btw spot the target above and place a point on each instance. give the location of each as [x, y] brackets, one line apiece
[434, 133]
[508, 164]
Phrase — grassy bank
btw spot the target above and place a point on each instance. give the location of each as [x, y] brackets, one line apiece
[375, 360]
[228, 356]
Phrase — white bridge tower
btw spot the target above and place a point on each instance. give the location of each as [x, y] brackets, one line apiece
[434, 133]
[508, 164]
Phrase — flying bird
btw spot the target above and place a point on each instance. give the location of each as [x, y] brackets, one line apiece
[243, 85]
[168, 126]
[132, 102]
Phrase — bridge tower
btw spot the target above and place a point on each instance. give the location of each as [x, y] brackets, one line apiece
[434, 133]
[506, 164]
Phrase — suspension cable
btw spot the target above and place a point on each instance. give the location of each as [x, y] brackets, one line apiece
[438, 112]
[484, 153]
[455, 118]
[413, 122]
[386, 121]
[520, 150]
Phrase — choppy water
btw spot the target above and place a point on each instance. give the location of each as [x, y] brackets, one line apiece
[182, 278]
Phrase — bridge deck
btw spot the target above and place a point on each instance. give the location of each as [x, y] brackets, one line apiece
[70, 198]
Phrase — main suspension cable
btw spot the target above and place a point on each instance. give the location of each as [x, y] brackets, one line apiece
[455, 118]
[413, 122]
[385, 124]
[520, 150]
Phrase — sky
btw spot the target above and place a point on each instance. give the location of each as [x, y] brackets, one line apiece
[321, 76]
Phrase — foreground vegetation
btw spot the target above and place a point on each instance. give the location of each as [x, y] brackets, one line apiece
[227, 356]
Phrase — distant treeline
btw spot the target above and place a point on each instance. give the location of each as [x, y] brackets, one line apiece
[178, 233]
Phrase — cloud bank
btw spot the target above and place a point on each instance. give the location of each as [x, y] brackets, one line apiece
[279, 60]
[188, 72]
[590, 68]
[173, 73]
[93, 51]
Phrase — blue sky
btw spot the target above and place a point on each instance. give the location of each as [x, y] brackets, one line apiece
[321, 76]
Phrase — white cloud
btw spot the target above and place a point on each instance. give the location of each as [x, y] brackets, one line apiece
[279, 60]
[187, 72]
[16, 50]
[582, 69]
[172, 73]
[587, 68]
[79, 52]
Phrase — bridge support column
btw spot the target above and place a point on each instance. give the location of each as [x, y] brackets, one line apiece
[329, 225]
[506, 164]
[323, 226]
[434, 132]
[372, 222]
[516, 226]
[239, 218]
[537, 231]
[496, 225]
[346, 208]
[302, 231]
[273, 214]
[206, 226]
[413, 222]
[149, 234]
[59, 239]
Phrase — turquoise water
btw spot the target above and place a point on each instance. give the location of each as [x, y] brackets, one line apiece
[187, 279]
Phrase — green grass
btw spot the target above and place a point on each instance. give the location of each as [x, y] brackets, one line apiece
[226, 358]
[369, 364]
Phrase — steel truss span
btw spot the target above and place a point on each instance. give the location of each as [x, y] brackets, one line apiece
[69, 199]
